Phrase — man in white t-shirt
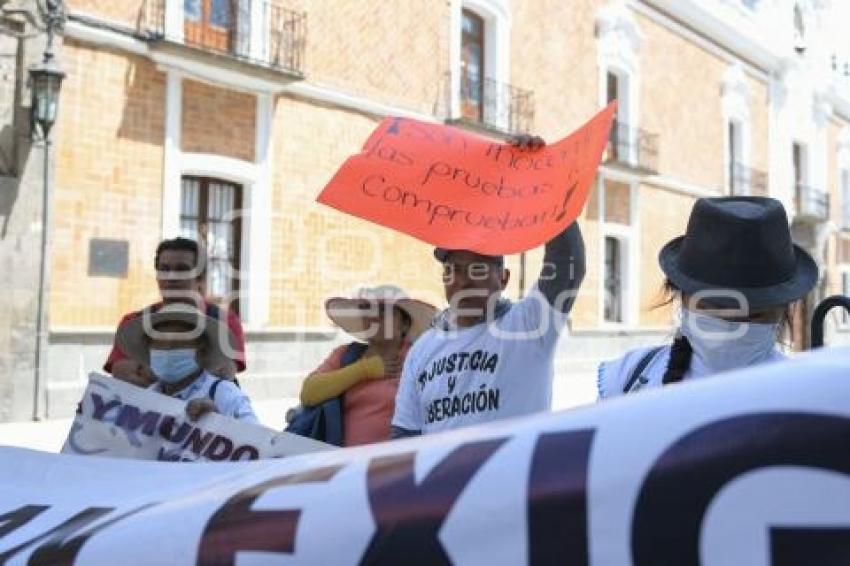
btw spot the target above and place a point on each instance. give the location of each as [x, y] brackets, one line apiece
[486, 358]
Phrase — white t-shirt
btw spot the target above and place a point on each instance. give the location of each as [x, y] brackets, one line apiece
[229, 399]
[614, 375]
[455, 378]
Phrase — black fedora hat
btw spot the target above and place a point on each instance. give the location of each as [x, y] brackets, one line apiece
[741, 244]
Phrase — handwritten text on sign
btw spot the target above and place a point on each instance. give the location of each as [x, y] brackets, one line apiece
[119, 420]
[454, 189]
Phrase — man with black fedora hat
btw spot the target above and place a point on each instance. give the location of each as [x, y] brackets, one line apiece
[737, 274]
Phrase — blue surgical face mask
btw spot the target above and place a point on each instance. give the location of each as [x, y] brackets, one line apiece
[723, 345]
[170, 366]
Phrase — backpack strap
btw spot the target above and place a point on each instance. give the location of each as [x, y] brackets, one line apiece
[213, 388]
[639, 367]
[353, 352]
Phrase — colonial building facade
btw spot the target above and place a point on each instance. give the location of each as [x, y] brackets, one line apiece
[223, 119]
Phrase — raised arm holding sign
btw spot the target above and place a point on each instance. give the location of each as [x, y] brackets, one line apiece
[456, 190]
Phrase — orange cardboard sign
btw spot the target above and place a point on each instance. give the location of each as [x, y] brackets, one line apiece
[456, 190]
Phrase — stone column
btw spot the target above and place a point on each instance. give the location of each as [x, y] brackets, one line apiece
[21, 208]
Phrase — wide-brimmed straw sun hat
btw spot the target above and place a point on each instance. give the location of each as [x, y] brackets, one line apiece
[134, 336]
[350, 313]
[742, 244]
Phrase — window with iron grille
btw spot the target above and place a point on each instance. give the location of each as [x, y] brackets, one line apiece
[619, 148]
[210, 213]
[613, 280]
[210, 23]
[472, 66]
[628, 145]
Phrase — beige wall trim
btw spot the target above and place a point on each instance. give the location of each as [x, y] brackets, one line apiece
[88, 29]
[681, 187]
[63, 333]
[696, 22]
[214, 74]
[294, 333]
[104, 36]
[659, 12]
[352, 102]
[709, 24]
[661, 181]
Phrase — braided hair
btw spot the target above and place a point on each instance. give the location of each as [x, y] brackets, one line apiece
[680, 360]
[681, 352]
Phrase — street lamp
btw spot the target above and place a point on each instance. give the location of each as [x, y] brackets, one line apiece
[46, 77]
[45, 83]
[45, 80]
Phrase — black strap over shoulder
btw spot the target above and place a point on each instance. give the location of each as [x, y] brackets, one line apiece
[213, 388]
[353, 352]
[639, 367]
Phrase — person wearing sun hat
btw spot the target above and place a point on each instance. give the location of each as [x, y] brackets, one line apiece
[182, 346]
[737, 275]
[365, 373]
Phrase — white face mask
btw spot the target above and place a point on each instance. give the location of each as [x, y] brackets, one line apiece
[170, 366]
[722, 345]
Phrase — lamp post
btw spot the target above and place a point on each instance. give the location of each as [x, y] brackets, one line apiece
[45, 83]
[46, 77]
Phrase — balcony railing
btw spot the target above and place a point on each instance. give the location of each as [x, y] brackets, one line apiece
[261, 32]
[746, 181]
[633, 148]
[489, 104]
[812, 204]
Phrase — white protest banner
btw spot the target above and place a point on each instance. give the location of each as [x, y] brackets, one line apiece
[751, 468]
[120, 420]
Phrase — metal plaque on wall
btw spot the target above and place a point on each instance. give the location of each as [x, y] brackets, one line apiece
[108, 258]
